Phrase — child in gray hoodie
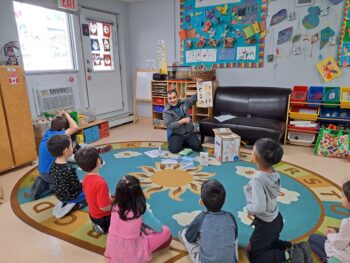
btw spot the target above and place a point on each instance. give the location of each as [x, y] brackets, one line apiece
[261, 194]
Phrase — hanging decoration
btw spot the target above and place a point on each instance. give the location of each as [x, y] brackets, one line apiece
[343, 58]
[326, 33]
[311, 20]
[239, 26]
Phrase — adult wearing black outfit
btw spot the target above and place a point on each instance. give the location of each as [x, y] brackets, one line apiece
[179, 125]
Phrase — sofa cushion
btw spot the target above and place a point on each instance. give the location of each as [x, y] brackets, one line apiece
[246, 127]
[259, 102]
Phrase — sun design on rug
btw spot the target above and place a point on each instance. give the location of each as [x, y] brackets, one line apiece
[172, 177]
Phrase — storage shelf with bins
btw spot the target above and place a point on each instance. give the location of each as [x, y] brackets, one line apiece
[326, 109]
[93, 131]
[185, 89]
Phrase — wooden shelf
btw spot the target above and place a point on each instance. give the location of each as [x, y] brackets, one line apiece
[202, 114]
[91, 124]
[334, 119]
[313, 103]
[185, 89]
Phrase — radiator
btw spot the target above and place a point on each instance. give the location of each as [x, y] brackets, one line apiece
[54, 99]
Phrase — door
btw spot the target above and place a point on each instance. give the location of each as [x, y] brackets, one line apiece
[101, 59]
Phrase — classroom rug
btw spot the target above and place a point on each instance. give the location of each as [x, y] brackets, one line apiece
[308, 202]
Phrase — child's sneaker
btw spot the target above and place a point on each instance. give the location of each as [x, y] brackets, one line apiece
[306, 250]
[98, 229]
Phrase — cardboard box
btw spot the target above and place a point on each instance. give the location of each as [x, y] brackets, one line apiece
[227, 145]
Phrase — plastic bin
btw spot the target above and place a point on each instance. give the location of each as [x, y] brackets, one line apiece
[331, 95]
[158, 101]
[315, 95]
[335, 113]
[304, 113]
[301, 138]
[303, 129]
[299, 93]
[345, 98]
[158, 108]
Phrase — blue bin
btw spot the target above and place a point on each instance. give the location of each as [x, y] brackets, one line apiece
[158, 108]
[314, 95]
[335, 113]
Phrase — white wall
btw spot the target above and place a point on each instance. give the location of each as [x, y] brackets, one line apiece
[8, 32]
[154, 19]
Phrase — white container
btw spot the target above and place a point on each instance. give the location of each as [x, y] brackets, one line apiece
[301, 138]
[203, 158]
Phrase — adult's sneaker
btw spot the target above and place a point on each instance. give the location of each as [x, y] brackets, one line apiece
[306, 250]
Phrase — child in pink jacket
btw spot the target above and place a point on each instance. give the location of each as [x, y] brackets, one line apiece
[335, 244]
[128, 241]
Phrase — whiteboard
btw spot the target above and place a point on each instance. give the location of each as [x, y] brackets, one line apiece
[143, 85]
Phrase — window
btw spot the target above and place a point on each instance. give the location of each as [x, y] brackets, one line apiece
[45, 38]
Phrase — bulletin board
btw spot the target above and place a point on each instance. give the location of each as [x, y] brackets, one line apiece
[344, 46]
[222, 34]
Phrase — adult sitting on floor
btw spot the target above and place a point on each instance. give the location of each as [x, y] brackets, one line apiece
[179, 125]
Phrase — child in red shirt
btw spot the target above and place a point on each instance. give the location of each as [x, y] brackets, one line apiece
[95, 189]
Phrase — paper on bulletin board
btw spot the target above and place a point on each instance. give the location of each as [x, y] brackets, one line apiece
[201, 55]
[204, 3]
[246, 53]
[205, 94]
[226, 54]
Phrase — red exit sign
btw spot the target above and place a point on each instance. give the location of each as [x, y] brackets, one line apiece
[68, 4]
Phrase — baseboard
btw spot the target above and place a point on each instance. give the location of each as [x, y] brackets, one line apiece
[115, 121]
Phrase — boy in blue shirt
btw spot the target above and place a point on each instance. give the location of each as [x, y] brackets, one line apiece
[61, 124]
[212, 235]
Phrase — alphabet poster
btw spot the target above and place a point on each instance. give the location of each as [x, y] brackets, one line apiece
[207, 27]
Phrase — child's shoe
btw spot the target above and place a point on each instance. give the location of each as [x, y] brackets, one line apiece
[61, 209]
[98, 229]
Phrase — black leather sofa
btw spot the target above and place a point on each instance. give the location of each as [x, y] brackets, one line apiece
[260, 112]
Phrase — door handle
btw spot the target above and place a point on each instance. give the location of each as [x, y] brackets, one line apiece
[89, 70]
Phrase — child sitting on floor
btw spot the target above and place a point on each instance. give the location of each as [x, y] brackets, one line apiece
[335, 244]
[212, 235]
[95, 188]
[68, 188]
[61, 124]
[127, 242]
[261, 194]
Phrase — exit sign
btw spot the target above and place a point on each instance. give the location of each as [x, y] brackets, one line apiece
[71, 5]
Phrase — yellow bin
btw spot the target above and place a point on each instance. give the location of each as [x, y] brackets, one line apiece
[345, 98]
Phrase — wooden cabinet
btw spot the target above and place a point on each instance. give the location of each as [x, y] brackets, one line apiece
[17, 144]
[184, 89]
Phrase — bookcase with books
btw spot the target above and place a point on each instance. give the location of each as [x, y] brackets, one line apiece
[315, 107]
[185, 89]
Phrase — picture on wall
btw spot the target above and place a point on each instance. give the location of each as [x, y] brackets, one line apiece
[328, 69]
[343, 58]
[208, 27]
[304, 2]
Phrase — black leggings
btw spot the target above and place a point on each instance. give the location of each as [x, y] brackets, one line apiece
[178, 142]
[102, 222]
[264, 244]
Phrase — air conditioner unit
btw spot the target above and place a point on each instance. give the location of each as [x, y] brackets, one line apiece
[49, 99]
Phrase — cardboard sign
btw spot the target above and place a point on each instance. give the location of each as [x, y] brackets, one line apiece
[71, 5]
